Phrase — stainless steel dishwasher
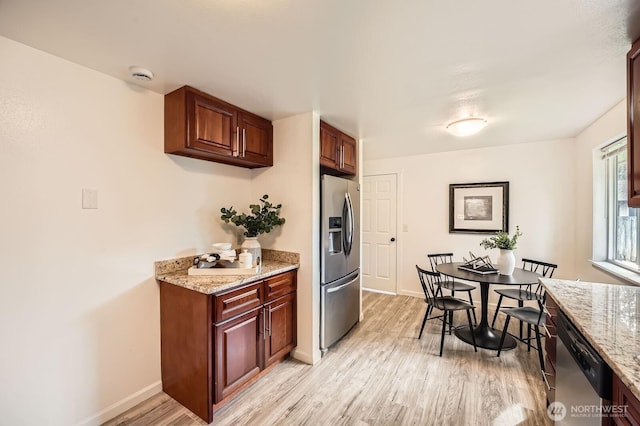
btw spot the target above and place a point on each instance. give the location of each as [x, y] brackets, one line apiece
[583, 378]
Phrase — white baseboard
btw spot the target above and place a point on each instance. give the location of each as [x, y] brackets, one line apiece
[411, 293]
[123, 405]
[372, 290]
[304, 357]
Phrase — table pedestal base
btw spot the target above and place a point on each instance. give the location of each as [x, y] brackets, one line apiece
[486, 337]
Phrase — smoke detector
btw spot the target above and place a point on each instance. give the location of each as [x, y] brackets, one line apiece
[141, 74]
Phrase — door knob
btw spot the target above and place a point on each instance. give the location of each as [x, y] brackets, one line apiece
[393, 239]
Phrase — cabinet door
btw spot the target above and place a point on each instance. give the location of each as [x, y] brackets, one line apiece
[211, 126]
[255, 140]
[622, 396]
[349, 154]
[280, 337]
[329, 143]
[238, 352]
[633, 124]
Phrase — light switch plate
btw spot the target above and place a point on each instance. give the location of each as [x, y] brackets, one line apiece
[89, 198]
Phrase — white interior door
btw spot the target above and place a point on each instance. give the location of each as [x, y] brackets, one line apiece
[379, 233]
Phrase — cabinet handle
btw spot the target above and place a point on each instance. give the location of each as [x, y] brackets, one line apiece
[244, 142]
[342, 150]
[547, 332]
[270, 321]
[544, 377]
[237, 141]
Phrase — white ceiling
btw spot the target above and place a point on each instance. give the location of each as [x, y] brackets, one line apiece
[392, 73]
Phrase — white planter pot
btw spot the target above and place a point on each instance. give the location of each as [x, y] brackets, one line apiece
[506, 262]
[252, 245]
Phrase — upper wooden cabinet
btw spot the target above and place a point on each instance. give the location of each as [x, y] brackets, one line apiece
[200, 126]
[633, 124]
[338, 151]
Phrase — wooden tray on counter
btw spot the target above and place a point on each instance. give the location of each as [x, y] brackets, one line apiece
[223, 271]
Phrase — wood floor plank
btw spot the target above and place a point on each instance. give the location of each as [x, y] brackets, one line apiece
[381, 374]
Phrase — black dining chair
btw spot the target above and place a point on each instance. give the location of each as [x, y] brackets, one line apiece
[533, 318]
[449, 283]
[430, 282]
[529, 292]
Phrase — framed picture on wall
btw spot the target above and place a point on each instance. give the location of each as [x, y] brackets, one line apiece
[479, 208]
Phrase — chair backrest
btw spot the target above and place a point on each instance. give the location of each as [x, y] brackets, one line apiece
[438, 258]
[543, 268]
[430, 282]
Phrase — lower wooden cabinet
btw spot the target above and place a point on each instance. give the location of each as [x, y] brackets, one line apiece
[549, 373]
[212, 346]
[622, 397]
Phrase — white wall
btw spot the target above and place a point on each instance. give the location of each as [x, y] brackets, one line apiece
[79, 308]
[541, 195]
[610, 126]
[294, 181]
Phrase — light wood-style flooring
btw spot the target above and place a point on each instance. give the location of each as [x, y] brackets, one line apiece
[381, 374]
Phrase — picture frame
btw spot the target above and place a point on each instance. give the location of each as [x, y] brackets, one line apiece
[479, 208]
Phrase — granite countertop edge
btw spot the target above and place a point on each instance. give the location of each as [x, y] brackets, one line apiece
[619, 359]
[174, 271]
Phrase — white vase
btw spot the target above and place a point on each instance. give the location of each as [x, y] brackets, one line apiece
[252, 245]
[506, 262]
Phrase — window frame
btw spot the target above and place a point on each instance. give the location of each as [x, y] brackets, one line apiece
[609, 154]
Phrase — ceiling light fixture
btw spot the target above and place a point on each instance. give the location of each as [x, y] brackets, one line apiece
[140, 73]
[466, 126]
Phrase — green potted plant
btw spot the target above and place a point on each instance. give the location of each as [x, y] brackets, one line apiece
[262, 219]
[501, 240]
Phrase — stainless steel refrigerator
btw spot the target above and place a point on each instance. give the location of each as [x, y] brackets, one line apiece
[340, 258]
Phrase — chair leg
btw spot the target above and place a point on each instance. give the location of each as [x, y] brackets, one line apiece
[493, 323]
[424, 321]
[473, 336]
[528, 337]
[475, 320]
[444, 328]
[520, 305]
[453, 294]
[504, 333]
[537, 331]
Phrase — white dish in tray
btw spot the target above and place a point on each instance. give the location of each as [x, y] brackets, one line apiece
[218, 247]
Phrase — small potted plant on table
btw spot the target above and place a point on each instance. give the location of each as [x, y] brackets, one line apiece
[506, 259]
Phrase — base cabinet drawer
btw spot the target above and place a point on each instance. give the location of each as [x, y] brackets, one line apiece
[279, 285]
[238, 301]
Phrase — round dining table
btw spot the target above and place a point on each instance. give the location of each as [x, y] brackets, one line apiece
[486, 336]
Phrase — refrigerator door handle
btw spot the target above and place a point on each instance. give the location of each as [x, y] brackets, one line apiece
[340, 287]
[347, 211]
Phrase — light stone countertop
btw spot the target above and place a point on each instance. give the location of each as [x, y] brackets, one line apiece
[174, 271]
[608, 315]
